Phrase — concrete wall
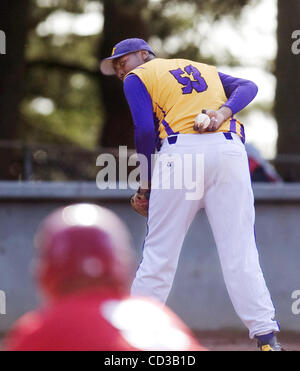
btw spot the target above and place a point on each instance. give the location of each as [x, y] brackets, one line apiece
[199, 295]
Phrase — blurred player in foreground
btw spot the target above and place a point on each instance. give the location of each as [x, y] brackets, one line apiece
[166, 98]
[84, 267]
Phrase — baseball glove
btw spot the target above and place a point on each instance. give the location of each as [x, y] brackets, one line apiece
[140, 201]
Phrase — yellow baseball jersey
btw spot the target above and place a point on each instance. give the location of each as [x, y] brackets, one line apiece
[179, 90]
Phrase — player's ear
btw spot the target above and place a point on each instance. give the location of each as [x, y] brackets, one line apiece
[145, 55]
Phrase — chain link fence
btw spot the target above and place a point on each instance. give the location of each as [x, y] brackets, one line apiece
[57, 162]
[50, 162]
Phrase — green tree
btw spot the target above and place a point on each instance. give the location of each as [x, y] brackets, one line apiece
[287, 91]
[122, 19]
[89, 109]
[14, 23]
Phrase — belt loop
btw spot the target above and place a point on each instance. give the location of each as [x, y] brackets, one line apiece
[228, 136]
[172, 140]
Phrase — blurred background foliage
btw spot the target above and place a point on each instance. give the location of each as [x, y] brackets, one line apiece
[58, 110]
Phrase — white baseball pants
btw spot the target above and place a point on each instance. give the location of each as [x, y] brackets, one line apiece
[225, 191]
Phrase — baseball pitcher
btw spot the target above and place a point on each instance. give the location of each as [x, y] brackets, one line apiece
[165, 97]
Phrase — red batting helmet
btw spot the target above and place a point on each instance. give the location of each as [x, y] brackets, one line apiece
[82, 245]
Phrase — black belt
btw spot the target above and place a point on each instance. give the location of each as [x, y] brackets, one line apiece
[173, 138]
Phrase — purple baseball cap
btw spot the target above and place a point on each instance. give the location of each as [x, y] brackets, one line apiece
[122, 48]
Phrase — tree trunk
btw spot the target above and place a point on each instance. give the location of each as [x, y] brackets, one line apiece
[13, 22]
[288, 91]
[122, 20]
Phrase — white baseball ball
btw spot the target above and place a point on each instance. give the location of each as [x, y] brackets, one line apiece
[202, 120]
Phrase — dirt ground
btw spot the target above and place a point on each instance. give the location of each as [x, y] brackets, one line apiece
[234, 341]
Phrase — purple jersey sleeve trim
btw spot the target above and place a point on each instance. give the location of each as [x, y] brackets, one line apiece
[145, 134]
[240, 92]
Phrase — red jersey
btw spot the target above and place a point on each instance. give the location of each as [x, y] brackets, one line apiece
[101, 321]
